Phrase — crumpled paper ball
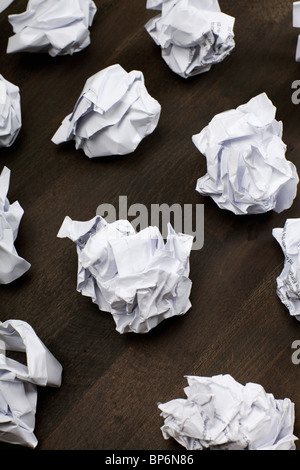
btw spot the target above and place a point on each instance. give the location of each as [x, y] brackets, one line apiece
[113, 114]
[247, 172]
[18, 382]
[221, 414]
[288, 282]
[4, 4]
[10, 112]
[12, 266]
[193, 35]
[137, 277]
[296, 24]
[58, 27]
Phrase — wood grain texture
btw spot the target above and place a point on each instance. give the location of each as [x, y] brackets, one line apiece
[237, 325]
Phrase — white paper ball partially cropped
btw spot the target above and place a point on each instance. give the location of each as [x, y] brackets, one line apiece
[18, 381]
[193, 35]
[12, 266]
[4, 4]
[56, 27]
[10, 112]
[222, 414]
[296, 24]
[247, 171]
[288, 282]
[113, 114]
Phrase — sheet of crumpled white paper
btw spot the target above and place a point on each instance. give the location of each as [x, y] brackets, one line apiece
[10, 112]
[288, 282]
[193, 35]
[219, 413]
[137, 277]
[4, 4]
[12, 266]
[18, 382]
[247, 171]
[58, 27]
[113, 114]
[296, 24]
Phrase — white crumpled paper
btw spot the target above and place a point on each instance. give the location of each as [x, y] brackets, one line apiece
[12, 266]
[4, 4]
[137, 277]
[10, 112]
[193, 34]
[296, 24]
[112, 115]
[18, 382]
[221, 414]
[58, 27]
[247, 172]
[288, 282]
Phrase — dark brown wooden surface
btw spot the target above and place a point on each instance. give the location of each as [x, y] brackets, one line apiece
[237, 325]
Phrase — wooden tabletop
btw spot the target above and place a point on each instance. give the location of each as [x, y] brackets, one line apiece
[237, 325]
